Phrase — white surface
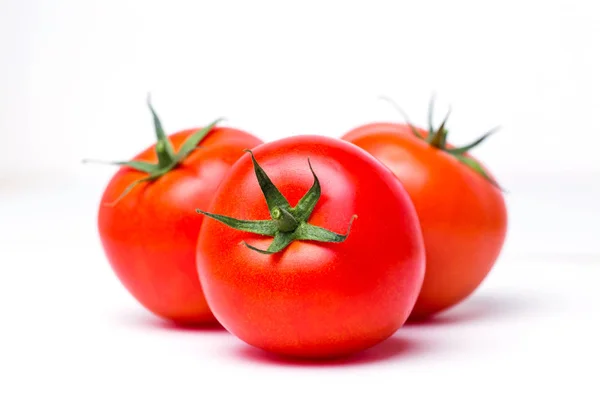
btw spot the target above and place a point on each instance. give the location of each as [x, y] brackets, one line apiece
[71, 330]
[73, 82]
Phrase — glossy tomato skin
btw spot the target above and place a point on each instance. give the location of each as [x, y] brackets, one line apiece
[314, 299]
[150, 235]
[463, 217]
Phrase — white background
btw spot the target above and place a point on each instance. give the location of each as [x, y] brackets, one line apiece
[73, 80]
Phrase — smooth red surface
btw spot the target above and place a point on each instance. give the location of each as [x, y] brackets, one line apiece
[150, 235]
[462, 216]
[314, 299]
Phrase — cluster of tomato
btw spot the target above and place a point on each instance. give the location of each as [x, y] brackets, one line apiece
[305, 246]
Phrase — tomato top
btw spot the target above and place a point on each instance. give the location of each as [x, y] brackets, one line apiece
[318, 214]
[167, 158]
[436, 138]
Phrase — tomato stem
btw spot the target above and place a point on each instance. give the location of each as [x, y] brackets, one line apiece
[438, 138]
[164, 148]
[287, 223]
[165, 158]
[284, 219]
[168, 159]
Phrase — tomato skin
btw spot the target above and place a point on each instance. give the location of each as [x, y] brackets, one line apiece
[314, 299]
[150, 235]
[463, 217]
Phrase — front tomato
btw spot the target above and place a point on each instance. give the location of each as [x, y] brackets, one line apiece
[293, 274]
[147, 224]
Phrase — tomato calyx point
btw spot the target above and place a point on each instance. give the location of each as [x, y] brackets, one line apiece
[437, 137]
[287, 223]
[168, 159]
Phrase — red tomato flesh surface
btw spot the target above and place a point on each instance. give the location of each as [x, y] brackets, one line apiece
[314, 299]
[150, 235]
[463, 217]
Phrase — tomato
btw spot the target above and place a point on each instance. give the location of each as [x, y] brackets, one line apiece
[149, 233]
[460, 207]
[327, 289]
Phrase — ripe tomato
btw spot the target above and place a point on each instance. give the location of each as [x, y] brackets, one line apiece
[461, 210]
[320, 293]
[149, 233]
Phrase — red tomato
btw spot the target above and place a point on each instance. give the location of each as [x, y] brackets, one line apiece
[150, 234]
[462, 214]
[312, 298]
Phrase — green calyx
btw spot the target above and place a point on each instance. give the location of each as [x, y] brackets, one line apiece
[287, 223]
[168, 159]
[437, 137]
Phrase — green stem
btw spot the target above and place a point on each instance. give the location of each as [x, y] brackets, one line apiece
[161, 136]
[438, 138]
[287, 223]
[284, 219]
[165, 157]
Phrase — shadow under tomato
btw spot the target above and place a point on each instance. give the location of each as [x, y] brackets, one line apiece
[176, 326]
[480, 308]
[394, 347]
[145, 321]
